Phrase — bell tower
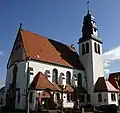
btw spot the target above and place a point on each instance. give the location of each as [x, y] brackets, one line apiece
[90, 51]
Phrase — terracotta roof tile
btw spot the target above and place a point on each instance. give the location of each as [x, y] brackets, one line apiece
[103, 85]
[47, 50]
[114, 79]
[56, 86]
[68, 89]
[40, 82]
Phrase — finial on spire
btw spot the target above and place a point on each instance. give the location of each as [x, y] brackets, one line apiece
[20, 26]
[88, 6]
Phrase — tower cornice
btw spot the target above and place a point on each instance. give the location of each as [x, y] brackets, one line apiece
[92, 37]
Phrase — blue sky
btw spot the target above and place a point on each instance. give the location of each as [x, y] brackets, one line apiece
[60, 20]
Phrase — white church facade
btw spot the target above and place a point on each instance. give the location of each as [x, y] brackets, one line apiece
[53, 71]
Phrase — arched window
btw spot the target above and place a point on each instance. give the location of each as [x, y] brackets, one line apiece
[98, 48]
[55, 76]
[79, 80]
[95, 46]
[61, 79]
[83, 49]
[87, 47]
[99, 97]
[73, 80]
[68, 77]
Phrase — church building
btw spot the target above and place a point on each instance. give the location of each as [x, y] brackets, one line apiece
[48, 71]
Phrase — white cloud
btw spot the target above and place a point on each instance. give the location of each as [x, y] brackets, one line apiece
[2, 83]
[110, 57]
[1, 53]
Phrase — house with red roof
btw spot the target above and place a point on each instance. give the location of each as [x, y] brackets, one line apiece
[114, 79]
[44, 72]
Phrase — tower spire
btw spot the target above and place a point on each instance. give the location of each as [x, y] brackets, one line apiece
[88, 6]
[20, 27]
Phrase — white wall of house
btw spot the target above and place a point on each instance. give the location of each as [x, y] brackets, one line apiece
[110, 99]
[42, 67]
[106, 99]
[21, 81]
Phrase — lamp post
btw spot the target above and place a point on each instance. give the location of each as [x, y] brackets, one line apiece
[62, 99]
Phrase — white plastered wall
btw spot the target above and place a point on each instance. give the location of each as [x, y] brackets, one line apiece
[42, 67]
[93, 63]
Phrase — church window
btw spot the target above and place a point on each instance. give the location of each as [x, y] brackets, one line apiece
[31, 97]
[95, 46]
[98, 48]
[87, 47]
[55, 76]
[99, 97]
[61, 78]
[79, 80]
[113, 98]
[68, 77]
[83, 49]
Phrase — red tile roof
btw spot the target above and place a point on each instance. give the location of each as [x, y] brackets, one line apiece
[103, 85]
[114, 79]
[40, 82]
[47, 50]
[68, 89]
[56, 86]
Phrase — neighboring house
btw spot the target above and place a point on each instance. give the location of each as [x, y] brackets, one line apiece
[2, 90]
[107, 93]
[114, 79]
[48, 67]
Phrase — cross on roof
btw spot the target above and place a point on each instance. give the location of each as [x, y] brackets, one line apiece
[88, 6]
